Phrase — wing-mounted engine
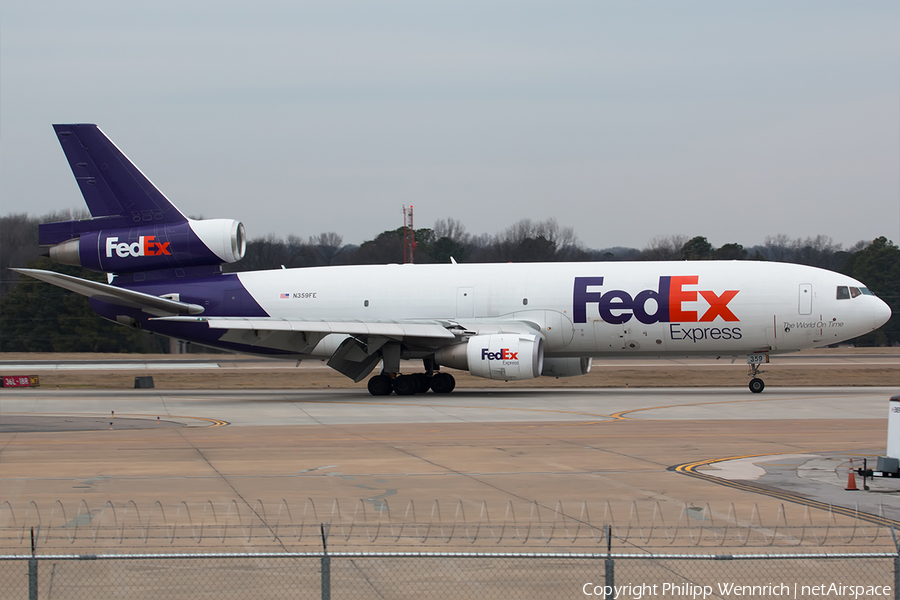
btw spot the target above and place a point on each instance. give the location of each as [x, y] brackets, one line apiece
[507, 356]
[572, 366]
[150, 247]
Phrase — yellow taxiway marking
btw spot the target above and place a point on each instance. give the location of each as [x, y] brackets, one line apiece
[621, 415]
[212, 422]
[488, 434]
[691, 470]
[461, 406]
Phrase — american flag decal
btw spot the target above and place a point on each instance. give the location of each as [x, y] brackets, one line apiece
[285, 296]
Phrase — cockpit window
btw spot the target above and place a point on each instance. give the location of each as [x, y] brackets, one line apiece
[843, 293]
[866, 292]
[854, 292]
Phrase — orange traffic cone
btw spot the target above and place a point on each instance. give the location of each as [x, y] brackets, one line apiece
[851, 480]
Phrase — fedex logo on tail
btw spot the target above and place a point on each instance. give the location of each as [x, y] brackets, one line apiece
[618, 306]
[503, 354]
[145, 246]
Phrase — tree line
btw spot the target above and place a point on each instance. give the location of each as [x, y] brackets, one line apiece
[37, 317]
[526, 241]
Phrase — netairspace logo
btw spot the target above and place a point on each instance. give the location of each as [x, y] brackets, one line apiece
[729, 590]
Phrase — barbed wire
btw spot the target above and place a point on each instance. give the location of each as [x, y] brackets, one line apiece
[577, 525]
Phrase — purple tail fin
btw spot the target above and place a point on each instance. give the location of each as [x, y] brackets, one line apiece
[134, 228]
[116, 192]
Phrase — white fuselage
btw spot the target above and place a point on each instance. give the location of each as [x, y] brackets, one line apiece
[658, 308]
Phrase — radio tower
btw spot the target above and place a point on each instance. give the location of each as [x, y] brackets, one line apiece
[409, 235]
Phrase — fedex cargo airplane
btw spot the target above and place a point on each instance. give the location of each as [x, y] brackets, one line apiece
[497, 321]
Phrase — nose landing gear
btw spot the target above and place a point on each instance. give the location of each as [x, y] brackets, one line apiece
[757, 385]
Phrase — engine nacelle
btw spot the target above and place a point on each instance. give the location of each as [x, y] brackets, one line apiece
[507, 356]
[150, 247]
[566, 367]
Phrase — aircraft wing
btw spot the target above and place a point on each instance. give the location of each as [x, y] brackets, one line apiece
[390, 329]
[153, 305]
[355, 354]
[165, 309]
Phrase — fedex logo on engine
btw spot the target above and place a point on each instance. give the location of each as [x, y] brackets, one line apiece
[618, 306]
[503, 354]
[145, 246]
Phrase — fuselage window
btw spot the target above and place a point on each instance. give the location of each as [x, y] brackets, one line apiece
[854, 292]
[843, 293]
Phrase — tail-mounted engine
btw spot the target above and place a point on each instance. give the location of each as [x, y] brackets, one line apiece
[133, 226]
[150, 247]
[507, 356]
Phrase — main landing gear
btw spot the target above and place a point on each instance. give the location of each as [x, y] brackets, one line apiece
[415, 383]
[391, 380]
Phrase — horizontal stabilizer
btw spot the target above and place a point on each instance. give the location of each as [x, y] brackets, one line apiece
[153, 305]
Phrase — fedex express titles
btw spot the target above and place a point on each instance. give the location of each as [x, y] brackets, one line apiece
[618, 306]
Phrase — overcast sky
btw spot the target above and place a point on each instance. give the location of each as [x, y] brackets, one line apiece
[625, 120]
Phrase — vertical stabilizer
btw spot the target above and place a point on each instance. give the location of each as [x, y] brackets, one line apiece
[116, 192]
[133, 228]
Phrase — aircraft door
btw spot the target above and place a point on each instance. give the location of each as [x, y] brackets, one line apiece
[806, 299]
[465, 302]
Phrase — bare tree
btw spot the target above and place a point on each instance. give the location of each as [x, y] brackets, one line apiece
[327, 246]
[778, 247]
[665, 247]
[819, 251]
[452, 229]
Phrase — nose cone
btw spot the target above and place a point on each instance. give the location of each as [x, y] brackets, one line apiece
[882, 313]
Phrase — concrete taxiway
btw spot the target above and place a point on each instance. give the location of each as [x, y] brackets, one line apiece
[476, 446]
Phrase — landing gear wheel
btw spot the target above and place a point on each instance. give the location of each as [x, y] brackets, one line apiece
[406, 385]
[423, 383]
[380, 385]
[757, 385]
[442, 383]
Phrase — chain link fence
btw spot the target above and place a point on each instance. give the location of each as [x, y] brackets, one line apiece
[449, 575]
